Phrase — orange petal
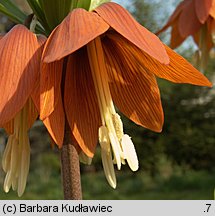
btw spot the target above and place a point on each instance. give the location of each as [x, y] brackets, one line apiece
[179, 70]
[77, 29]
[176, 38]
[41, 40]
[174, 17]
[50, 87]
[202, 9]
[212, 10]
[56, 121]
[9, 127]
[55, 124]
[134, 89]
[188, 20]
[19, 70]
[120, 20]
[32, 116]
[210, 27]
[32, 112]
[1, 36]
[81, 104]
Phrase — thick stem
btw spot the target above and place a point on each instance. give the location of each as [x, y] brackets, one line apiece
[70, 165]
[70, 168]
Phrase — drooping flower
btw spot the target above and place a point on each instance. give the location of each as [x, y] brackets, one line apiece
[95, 60]
[20, 57]
[194, 18]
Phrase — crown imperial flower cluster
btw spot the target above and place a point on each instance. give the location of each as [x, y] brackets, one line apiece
[92, 62]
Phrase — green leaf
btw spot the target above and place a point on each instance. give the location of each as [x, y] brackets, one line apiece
[11, 16]
[84, 4]
[74, 4]
[55, 11]
[36, 7]
[96, 3]
[12, 11]
[12, 8]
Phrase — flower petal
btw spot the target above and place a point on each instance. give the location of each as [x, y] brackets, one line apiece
[176, 38]
[212, 10]
[121, 21]
[19, 70]
[209, 32]
[202, 8]
[77, 29]
[50, 99]
[41, 40]
[188, 20]
[81, 104]
[50, 87]
[32, 109]
[174, 17]
[32, 114]
[9, 127]
[179, 70]
[55, 122]
[134, 89]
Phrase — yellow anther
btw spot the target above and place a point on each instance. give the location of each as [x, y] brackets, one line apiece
[104, 138]
[117, 122]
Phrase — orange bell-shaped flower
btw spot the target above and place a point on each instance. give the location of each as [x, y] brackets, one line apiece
[102, 58]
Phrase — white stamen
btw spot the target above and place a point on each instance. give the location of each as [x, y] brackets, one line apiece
[111, 135]
[15, 184]
[130, 152]
[7, 154]
[7, 182]
[108, 168]
[116, 149]
[16, 157]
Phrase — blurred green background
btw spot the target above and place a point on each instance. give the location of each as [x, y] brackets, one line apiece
[178, 163]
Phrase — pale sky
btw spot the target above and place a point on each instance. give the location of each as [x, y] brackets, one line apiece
[121, 2]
